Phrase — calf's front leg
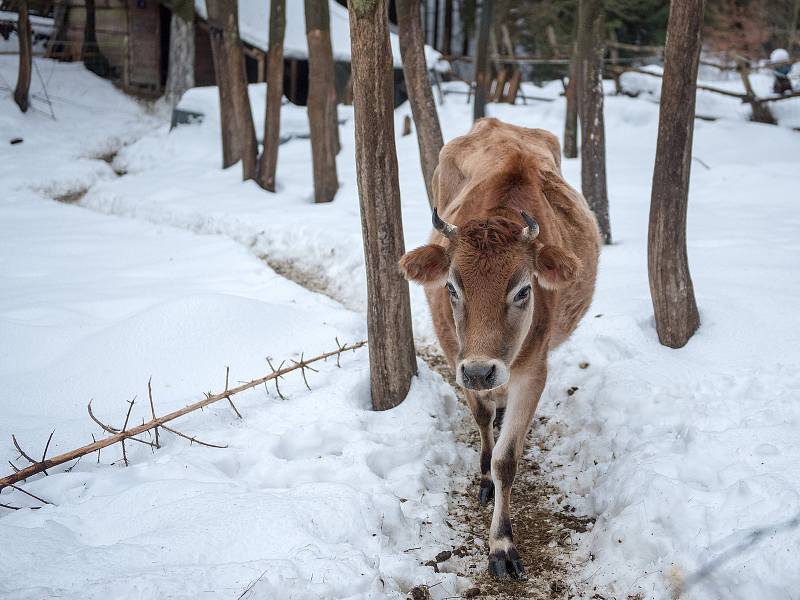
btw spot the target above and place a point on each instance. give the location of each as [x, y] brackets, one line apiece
[482, 408]
[523, 397]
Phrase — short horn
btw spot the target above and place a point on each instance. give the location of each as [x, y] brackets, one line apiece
[446, 229]
[530, 232]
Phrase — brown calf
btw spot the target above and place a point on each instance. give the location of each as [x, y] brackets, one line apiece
[509, 273]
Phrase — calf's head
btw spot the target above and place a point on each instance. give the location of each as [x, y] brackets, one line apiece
[489, 271]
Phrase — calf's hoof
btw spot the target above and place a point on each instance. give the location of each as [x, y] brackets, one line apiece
[486, 491]
[506, 564]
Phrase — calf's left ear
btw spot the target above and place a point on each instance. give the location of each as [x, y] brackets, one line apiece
[556, 267]
[427, 265]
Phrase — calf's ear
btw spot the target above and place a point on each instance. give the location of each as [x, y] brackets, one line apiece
[427, 265]
[556, 267]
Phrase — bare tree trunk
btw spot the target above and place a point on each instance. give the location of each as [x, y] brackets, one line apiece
[391, 342]
[671, 287]
[322, 117]
[93, 59]
[21, 92]
[268, 162]
[238, 131]
[420, 94]
[180, 73]
[571, 121]
[483, 72]
[591, 35]
[447, 31]
[56, 47]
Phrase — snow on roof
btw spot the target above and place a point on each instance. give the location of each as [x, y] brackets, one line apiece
[254, 29]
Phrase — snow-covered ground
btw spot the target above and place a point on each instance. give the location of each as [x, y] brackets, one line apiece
[679, 454]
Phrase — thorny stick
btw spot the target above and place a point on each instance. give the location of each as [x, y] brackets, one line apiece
[159, 422]
[109, 429]
[152, 407]
[32, 495]
[22, 452]
[303, 366]
[124, 427]
[192, 440]
[277, 388]
[233, 406]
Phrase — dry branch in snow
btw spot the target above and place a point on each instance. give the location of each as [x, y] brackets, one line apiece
[120, 435]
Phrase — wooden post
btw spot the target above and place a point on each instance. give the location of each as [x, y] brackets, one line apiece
[90, 52]
[180, 71]
[322, 117]
[671, 287]
[420, 94]
[391, 343]
[238, 131]
[21, 92]
[268, 163]
[571, 120]
[483, 78]
[591, 36]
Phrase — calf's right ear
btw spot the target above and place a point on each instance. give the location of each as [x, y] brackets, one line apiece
[427, 265]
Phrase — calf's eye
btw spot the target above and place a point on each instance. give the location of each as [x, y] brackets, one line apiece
[523, 294]
[452, 291]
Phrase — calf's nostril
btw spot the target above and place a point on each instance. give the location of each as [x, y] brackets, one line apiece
[490, 373]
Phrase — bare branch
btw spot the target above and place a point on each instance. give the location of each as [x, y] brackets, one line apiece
[191, 439]
[233, 406]
[31, 494]
[126, 434]
[23, 454]
[152, 407]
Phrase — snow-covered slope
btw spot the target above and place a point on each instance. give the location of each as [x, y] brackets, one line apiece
[679, 454]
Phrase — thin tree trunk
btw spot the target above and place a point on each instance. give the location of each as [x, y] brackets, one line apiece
[447, 31]
[93, 59]
[272, 119]
[238, 131]
[21, 92]
[180, 73]
[483, 72]
[571, 121]
[56, 47]
[671, 287]
[793, 28]
[420, 94]
[591, 34]
[391, 342]
[322, 117]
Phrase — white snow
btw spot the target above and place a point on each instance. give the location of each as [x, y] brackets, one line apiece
[679, 454]
[254, 29]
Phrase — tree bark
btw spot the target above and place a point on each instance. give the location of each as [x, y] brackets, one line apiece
[180, 73]
[591, 35]
[447, 31]
[322, 116]
[22, 91]
[93, 59]
[391, 342]
[420, 94]
[571, 121]
[671, 287]
[236, 118]
[268, 162]
[483, 71]
[56, 47]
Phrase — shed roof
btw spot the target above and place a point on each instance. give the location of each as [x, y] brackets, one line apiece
[254, 29]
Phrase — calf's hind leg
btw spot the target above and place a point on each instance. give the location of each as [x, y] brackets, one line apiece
[482, 408]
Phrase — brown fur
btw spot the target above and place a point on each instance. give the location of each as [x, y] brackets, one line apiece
[483, 181]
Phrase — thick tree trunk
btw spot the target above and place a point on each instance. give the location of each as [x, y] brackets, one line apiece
[420, 94]
[22, 91]
[322, 117]
[238, 131]
[671, 287]
[180, 73]
[93, 59]
[591, 34]
[391, 342]
[571, 121]
[483, 71]
[268, 162]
